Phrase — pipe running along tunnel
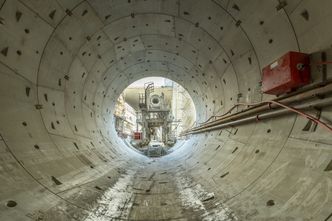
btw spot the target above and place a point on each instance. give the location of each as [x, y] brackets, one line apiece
[64, 63]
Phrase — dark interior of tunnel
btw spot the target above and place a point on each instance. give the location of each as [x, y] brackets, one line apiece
[259, 73]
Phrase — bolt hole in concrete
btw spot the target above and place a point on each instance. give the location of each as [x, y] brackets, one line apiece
[270, 203]
[151, 113]
[11, 203]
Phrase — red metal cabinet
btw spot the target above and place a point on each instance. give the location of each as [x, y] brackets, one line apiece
[287, 73]
[137, 135]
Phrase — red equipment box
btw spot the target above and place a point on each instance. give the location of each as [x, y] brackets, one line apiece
[137, 135]
[287, 73]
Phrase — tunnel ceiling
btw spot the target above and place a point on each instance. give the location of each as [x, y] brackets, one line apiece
[64, 63]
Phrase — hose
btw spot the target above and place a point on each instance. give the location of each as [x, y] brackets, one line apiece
[292, 109]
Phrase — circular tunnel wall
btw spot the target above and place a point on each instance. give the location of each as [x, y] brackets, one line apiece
[64, 63]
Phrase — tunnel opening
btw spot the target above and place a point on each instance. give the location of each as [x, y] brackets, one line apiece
[152, 113]
[261, 147]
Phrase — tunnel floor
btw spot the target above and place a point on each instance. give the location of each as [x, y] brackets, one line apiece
[149, 192]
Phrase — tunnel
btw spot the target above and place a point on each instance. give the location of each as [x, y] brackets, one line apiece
[63, 63]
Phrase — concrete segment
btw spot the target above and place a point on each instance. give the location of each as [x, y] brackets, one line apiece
[63, 64]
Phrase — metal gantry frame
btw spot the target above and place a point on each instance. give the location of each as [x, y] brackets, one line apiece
[153, 115]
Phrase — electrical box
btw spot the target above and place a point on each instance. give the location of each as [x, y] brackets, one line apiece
[137, 135]
[286, 74]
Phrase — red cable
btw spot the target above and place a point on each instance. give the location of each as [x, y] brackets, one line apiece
[323, 62]
[301, 113]
[215, 116]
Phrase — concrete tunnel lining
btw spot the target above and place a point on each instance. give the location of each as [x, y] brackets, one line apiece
[64, 63]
